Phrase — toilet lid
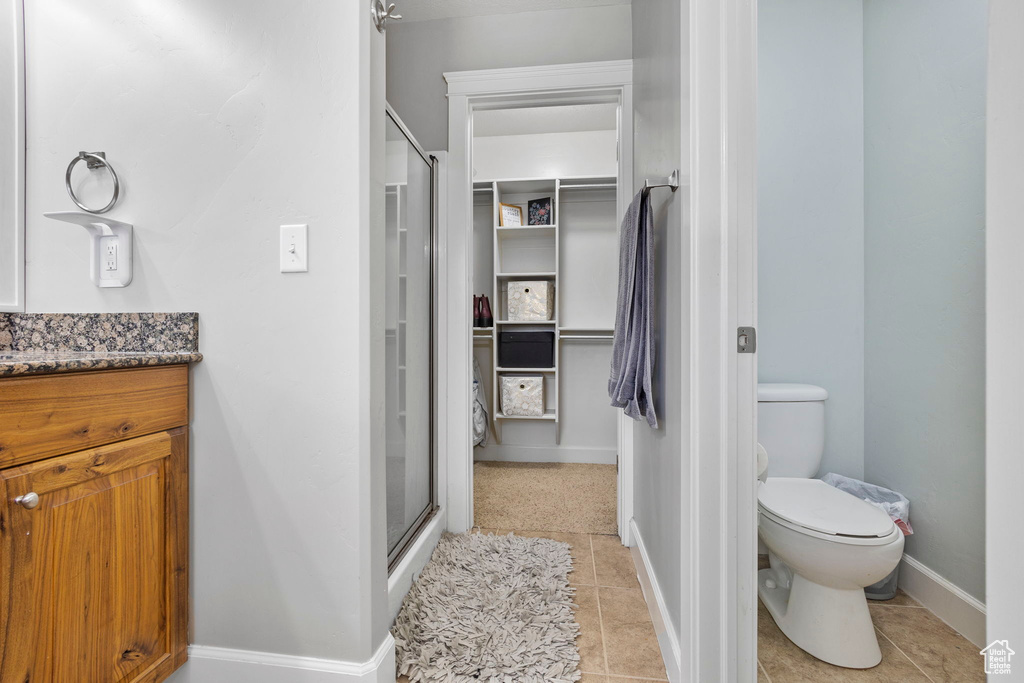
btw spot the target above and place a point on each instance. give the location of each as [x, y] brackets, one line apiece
[813, 504]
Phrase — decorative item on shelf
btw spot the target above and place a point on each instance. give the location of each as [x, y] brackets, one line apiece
[486, 317]
[510, 216]
[522, 395]
[530, 300]
[539, 211]
[478, 320]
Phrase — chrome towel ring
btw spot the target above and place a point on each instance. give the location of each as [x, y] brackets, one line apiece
[92, 160]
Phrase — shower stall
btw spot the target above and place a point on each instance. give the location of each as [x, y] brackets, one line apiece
[410, 201]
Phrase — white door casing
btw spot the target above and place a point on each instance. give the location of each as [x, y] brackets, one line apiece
[718, 640]
[499, 88]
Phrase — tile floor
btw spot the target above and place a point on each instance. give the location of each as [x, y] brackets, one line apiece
[617, 642]
[916, 646]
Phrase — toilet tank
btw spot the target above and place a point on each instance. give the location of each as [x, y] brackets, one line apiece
[791, 427]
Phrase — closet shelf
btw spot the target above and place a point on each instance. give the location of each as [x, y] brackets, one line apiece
[542, 370]
[590, 186]
[536, 276]
[549, 415]
[526, 231]
[525, 322]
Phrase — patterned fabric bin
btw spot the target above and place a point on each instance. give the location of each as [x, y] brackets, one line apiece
[531, 300]
[522, 395]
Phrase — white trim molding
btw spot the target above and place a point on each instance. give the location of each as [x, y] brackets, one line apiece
[718, 634]
[415, 559]
[469, 91]
[12, 151]
[946, 600]
[571, 454]
[218, 665]
[668, 639]
[1004, 323]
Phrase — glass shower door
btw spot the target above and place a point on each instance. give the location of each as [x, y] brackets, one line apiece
[409, 210]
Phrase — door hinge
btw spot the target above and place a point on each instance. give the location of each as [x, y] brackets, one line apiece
[746, 340]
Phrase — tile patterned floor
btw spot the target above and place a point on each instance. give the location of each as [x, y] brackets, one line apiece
[617, 641]
[916, 647]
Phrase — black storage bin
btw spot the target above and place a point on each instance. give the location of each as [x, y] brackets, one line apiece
[526, 349]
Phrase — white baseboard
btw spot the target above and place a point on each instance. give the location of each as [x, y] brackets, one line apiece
[222, 665]
[667, 637]
[572, 454]
[415, 559]
[964, 612]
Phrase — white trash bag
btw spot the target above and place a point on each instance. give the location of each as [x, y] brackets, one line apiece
[894, 504]
[891, 503]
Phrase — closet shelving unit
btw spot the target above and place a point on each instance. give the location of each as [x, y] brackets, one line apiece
[532, 252]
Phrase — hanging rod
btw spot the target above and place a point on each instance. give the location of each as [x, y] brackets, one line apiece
[671, 181]
[569, 337]
[592, 186]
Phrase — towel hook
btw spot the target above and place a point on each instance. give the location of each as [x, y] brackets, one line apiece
[92, 160]
[672, 181]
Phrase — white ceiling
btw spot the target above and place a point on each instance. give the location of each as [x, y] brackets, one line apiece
[534, 120]
[427, 10]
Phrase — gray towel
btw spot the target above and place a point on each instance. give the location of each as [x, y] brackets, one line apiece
[629, 386]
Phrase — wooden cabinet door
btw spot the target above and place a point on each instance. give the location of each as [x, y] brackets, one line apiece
[93, 578]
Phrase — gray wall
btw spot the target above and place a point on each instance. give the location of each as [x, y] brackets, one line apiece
[924, 254]
[811, 211]
[657, 94]
[420, 52]
[287, 552]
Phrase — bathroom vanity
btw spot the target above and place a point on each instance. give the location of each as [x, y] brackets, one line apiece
[93, 515]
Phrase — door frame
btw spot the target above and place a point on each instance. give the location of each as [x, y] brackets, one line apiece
[1004, 245]
[469, 91]
[718, 639]
[12, 144]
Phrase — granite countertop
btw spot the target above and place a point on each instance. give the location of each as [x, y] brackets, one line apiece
[37, 343]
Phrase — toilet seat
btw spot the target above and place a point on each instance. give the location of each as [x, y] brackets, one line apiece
[812, 507]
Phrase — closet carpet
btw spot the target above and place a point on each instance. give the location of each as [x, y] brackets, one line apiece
[543, 496]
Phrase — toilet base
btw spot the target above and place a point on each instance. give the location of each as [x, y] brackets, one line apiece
[832, 624]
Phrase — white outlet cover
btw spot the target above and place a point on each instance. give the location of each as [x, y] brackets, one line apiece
[104, 231]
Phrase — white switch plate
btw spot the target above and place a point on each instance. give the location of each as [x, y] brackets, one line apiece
[294, 248]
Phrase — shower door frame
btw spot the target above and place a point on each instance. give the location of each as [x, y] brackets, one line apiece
[413, 532]
[469, 91]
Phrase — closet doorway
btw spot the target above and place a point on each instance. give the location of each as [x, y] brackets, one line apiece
[543, 179]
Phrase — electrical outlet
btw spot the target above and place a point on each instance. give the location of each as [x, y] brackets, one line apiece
[110, 247]
[108, 252]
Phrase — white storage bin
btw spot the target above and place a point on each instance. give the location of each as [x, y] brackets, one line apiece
[531, 300]
[522, 395]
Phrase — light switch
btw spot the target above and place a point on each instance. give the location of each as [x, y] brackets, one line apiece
[294, 248]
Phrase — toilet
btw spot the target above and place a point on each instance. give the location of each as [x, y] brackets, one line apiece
[824, 545]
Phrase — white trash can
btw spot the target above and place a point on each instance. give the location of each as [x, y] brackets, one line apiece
[894, 504]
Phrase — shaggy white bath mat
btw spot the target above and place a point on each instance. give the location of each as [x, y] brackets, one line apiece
[490, 608]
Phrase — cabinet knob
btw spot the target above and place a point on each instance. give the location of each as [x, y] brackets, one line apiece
[28, 501]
